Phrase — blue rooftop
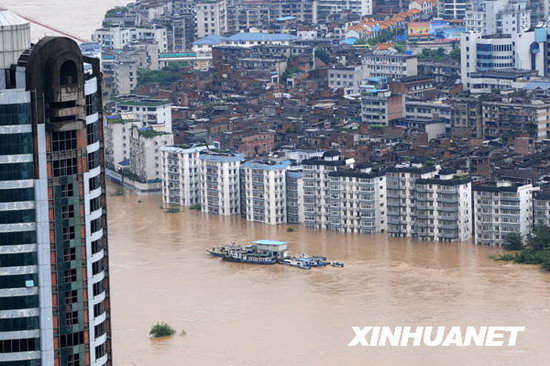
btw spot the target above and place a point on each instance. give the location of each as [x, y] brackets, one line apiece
[269, 242]
[349, 41]
[260, 36]
[212, 39]
[538, 84]
[267, 165]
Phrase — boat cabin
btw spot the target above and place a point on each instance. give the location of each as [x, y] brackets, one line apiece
[279, 249]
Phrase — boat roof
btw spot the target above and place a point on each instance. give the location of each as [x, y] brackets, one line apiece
[269, 242]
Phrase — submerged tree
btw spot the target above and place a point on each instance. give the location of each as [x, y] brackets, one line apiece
[161, 330]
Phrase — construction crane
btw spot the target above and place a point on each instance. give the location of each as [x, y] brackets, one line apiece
[52, 28]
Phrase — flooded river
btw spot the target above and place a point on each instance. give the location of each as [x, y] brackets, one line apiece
[238, 314]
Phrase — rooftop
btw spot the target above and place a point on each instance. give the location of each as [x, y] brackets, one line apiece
[260, 36]
[269, 242]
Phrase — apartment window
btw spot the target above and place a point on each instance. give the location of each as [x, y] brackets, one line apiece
[95, 204]
[69, 275]
[92, 133]
[68, 233]
[97, 245]
[100, 351]
[71, 317]
[99, 309]
[98, 288]
[73, 360]
[65, 167]
[69, 254]
[93, 160]
[18, 345]
[97, 267]
[93, 183]
[91, 104]
[99, 330]
[72, 339]
[71, 297]
[67, 190]
[67, 212]
[64, 140]
[95, 225]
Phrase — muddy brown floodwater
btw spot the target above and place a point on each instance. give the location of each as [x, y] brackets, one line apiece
[238, 314]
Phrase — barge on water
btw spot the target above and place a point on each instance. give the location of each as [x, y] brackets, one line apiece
[269, 252]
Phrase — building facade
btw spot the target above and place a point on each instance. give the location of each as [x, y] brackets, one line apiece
[500, 209]
[54, 287]
[400, 185]
[263, 191]
[181, 175]
[357, 201]
[443, 209]
[220, 183]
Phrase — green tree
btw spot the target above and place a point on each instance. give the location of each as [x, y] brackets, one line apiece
[513, 241]
[161, 330]
[323, 56]
[455, 54]
[539, 237]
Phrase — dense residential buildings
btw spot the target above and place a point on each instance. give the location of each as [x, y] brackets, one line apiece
[220, 182]
[211, 18]
[500, 209]
[54, 288]
[263, 191]
[155, 113]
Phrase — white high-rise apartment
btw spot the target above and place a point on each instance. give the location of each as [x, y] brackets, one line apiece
[181, 174]
[316, 187]
[357, 200]
[443, 207]
[220, 182]
[500, 209]
[295, 195]
[400, 186]
[211, 18]
[328, 7]
[264, 191]
[498, 17]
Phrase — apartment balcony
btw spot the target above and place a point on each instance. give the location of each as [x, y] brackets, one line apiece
[447, 199]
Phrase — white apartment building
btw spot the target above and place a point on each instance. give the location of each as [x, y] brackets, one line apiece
[328, 7]
[400, 193]
[145, 161]
[295, 195]
[316, 187]
[443, 207]
[155, 113]
[379, 106]
[498, 17]
[117, 37]
[220, 182]
[181, 174]
[500, 209]
[541, 212]
[118, 129]
[390, 64]
[347, 78]
[211, 18]
[452, 9]
[263, 191]
[357, 201]
[499, 52]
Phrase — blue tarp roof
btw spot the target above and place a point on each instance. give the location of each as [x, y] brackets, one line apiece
[269, 242]
[349, 41]
[537, 84]
[282, 19]
[124, 162]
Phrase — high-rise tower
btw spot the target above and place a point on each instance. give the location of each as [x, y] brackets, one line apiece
[54, 297]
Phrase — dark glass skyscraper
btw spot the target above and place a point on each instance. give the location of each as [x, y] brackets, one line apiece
[54, 298]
